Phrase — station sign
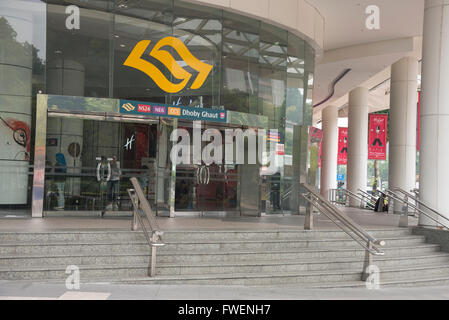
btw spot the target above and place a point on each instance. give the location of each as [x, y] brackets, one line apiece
[172, 111]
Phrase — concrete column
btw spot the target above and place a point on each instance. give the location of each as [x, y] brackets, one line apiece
[434, 131]
[403, 110]
[357, 141]
[329, 150]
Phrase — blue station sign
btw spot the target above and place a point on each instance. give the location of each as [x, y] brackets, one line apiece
[172, 111]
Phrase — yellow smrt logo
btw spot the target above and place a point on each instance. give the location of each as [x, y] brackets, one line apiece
[128, 107]
[135, 60]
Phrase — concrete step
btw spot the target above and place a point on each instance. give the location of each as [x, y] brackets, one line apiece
[281, 255]
[177, 257]
[142, 246]
[415, 272]
[273, 266]
[115, 269]
[356, 283]
[417, 276]
[125, 272]
[402, 283]
[231, 257]
[258, 262]
[195, 235]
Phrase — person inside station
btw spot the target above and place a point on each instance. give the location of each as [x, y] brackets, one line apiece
[114, 184]
[60, 178]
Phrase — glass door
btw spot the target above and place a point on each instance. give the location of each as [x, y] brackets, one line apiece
[206, 188]
[203, 188]
[89, 164]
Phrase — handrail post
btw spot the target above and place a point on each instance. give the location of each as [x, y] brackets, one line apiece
[403, 220]
[362, 199]
[308, 221]
[416, 193]
[140, 204]
[368, 262]
[154, 239]
[134, 225]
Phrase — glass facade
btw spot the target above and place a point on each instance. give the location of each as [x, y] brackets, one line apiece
[257, 69]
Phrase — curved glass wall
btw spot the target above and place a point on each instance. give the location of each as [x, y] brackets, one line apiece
[257, 68]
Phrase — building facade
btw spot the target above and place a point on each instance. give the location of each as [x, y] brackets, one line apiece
[91, 92]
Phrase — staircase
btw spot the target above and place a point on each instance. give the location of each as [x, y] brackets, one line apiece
[310, 259]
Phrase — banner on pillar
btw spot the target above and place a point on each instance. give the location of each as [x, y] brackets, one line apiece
[342, 158]
[377, 137]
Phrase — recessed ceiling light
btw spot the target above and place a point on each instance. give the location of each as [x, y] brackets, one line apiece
[116, 35]
[58, 51]
[122, 45]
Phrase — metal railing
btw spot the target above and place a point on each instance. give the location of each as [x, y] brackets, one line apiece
[350, 227]
[417, 205]
[338, 197]
[371, 198]
[342, 196]
[142, 213]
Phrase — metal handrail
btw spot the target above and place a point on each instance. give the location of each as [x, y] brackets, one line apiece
[366, 194]
[416, 207]
[361, 198]
[141, 206]
[358, 197]
[286, 193]
[335, 215]
[337, 196]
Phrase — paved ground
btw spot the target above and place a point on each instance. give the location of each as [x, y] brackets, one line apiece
[37, 291]
[364, 217]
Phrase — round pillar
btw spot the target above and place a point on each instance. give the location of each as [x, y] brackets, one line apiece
[434, 116]
[403, 111]
[357, 142]
[329, 150]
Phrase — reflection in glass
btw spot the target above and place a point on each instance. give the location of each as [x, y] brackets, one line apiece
[91, 171]
[22, 68]
[240, 63]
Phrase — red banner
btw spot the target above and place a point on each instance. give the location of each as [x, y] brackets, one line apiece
[342, 146]
[377, 137]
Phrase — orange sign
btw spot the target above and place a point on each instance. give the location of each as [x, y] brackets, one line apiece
[173, 111]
